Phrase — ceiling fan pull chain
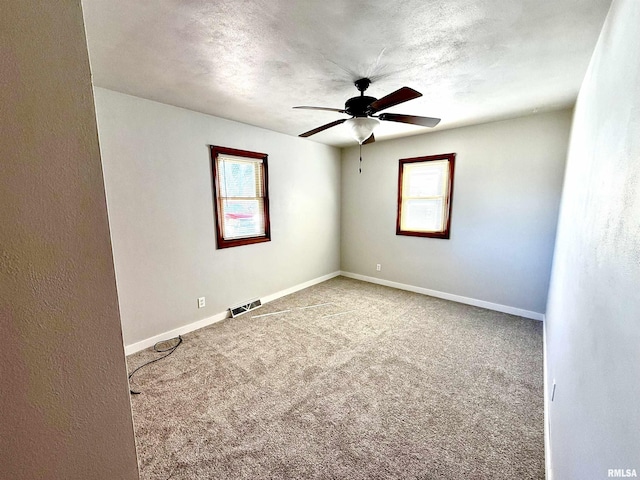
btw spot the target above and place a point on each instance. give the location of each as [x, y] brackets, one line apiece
[360, 167]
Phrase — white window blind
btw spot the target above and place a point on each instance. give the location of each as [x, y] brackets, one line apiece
[241, 196]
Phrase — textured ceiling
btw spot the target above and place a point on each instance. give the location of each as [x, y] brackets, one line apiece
[251, 61]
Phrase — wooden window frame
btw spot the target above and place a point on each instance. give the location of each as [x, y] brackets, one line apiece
[446, 233]
[221, 241]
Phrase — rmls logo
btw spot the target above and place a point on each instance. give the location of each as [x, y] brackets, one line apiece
[622, 472]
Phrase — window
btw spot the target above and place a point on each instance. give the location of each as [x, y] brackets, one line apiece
[241, 198]
[425, 191]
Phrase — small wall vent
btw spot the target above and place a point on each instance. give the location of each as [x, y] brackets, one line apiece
[245, 307]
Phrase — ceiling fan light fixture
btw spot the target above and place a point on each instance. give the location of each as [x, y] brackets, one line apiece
[361, 128]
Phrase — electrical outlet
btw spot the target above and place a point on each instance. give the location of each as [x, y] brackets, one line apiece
[378, 267]
[201, 302]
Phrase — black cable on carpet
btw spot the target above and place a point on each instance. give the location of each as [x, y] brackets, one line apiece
[171, 349]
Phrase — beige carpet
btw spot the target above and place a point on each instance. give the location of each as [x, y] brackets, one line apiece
[355, 381]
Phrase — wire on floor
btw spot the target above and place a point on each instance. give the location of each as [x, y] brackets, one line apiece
[156, 348]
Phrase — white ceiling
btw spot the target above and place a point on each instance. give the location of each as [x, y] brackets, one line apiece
[252, 60]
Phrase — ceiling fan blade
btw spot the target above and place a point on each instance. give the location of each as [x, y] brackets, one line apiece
[412, 119]
[371, 139]
[323, 127]
[328, 109]
[399, 96]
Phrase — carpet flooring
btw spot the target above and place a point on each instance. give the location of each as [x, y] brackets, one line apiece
[346, 380]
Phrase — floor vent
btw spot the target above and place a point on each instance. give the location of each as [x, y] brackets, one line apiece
[245, 307]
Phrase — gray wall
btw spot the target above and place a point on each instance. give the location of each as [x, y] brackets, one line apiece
[508, 179]
[159, 193]
[593, 315]
[64, 398]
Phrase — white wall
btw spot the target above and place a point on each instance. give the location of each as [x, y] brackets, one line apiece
[159, 193]
[508, 179]
[64, 397]
[593, 315]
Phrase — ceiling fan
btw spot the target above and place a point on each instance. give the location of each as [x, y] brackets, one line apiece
[363, 111]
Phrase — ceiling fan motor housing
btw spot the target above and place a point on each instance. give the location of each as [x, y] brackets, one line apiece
[358, 106]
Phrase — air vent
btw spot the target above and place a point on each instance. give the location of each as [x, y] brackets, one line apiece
[245, 307]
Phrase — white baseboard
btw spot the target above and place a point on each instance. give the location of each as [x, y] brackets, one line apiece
[449, 296]
[547, 398]
[149, 342]
[300, 286]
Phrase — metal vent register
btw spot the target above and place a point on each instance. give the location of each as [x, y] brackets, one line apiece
[245, 307]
